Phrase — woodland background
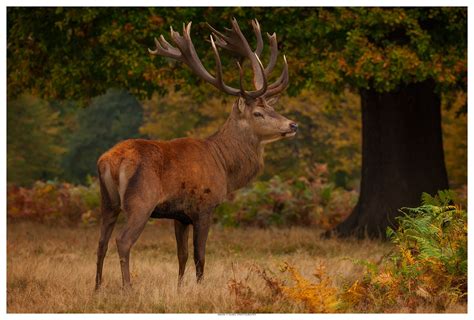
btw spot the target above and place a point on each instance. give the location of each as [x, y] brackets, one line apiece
[81, 80]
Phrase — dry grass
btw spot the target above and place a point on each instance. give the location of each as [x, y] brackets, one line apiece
[52, 269]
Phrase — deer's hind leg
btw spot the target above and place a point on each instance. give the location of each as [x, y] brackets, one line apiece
[127, 238]
[109, 211]
[138, 202]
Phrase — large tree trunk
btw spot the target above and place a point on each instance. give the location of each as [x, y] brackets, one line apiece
[402, 156]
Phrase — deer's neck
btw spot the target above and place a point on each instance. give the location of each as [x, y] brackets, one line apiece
[239, 152]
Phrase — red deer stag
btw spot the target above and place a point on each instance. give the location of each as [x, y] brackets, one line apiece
[185, 179]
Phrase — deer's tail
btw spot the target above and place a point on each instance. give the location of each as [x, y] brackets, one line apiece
[108, 187]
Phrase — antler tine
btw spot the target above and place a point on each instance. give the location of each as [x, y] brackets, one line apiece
[162, 47]
[216, 32]
[219, 78]
[273, 55]
[281, 83]
[241, 79]
[252, 94]
[228, 40]
[262, 91]
[258, 35]
[218, 61]
[163, 43]
[157, 45]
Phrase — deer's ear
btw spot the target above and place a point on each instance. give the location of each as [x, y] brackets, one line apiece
[241, 104]
[273, 100]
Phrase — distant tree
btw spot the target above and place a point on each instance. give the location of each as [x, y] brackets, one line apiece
[110, 118]
[170, 116]
[33, 141]
[401, 60]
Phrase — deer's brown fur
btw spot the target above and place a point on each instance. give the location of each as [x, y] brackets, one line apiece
[184, 179]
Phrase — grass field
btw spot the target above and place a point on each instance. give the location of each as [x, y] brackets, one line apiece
[52, 269]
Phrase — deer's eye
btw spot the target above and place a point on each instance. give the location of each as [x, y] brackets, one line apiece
[257, 114]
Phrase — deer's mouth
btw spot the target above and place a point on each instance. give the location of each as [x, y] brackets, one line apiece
[288, 134]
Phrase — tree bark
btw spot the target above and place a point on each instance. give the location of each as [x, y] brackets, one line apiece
[402, 156]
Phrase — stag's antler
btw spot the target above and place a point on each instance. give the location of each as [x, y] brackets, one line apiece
[234, 41]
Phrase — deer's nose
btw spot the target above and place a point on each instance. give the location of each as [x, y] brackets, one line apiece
[293, 127]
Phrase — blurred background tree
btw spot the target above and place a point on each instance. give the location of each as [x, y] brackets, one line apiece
[33, 142]
[404, 62]
[454, 121]
[110, 118]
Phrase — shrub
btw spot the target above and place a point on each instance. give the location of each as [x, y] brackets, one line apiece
[309, 200]
[319, 296]
[55, 202]
[298, 294]
[429, 263]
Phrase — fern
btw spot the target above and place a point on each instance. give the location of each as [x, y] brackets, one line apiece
[429, 264]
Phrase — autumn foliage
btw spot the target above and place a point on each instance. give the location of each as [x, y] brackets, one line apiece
[309, 200]
[52, 202]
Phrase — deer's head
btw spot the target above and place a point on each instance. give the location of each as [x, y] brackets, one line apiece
[253, 110]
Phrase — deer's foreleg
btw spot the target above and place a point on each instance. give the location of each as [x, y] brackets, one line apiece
[200, 233]
[137, 220]
[181, 231]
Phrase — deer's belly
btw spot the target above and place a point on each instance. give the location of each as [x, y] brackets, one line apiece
[187, 206]
[175, 215]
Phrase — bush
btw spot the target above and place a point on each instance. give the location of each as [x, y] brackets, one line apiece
[55, 202]
[429, 263]
[319, 296]
[309, 200]
[298, 294]
[432, 249]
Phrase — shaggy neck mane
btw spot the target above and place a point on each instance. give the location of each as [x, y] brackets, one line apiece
[239, 152]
